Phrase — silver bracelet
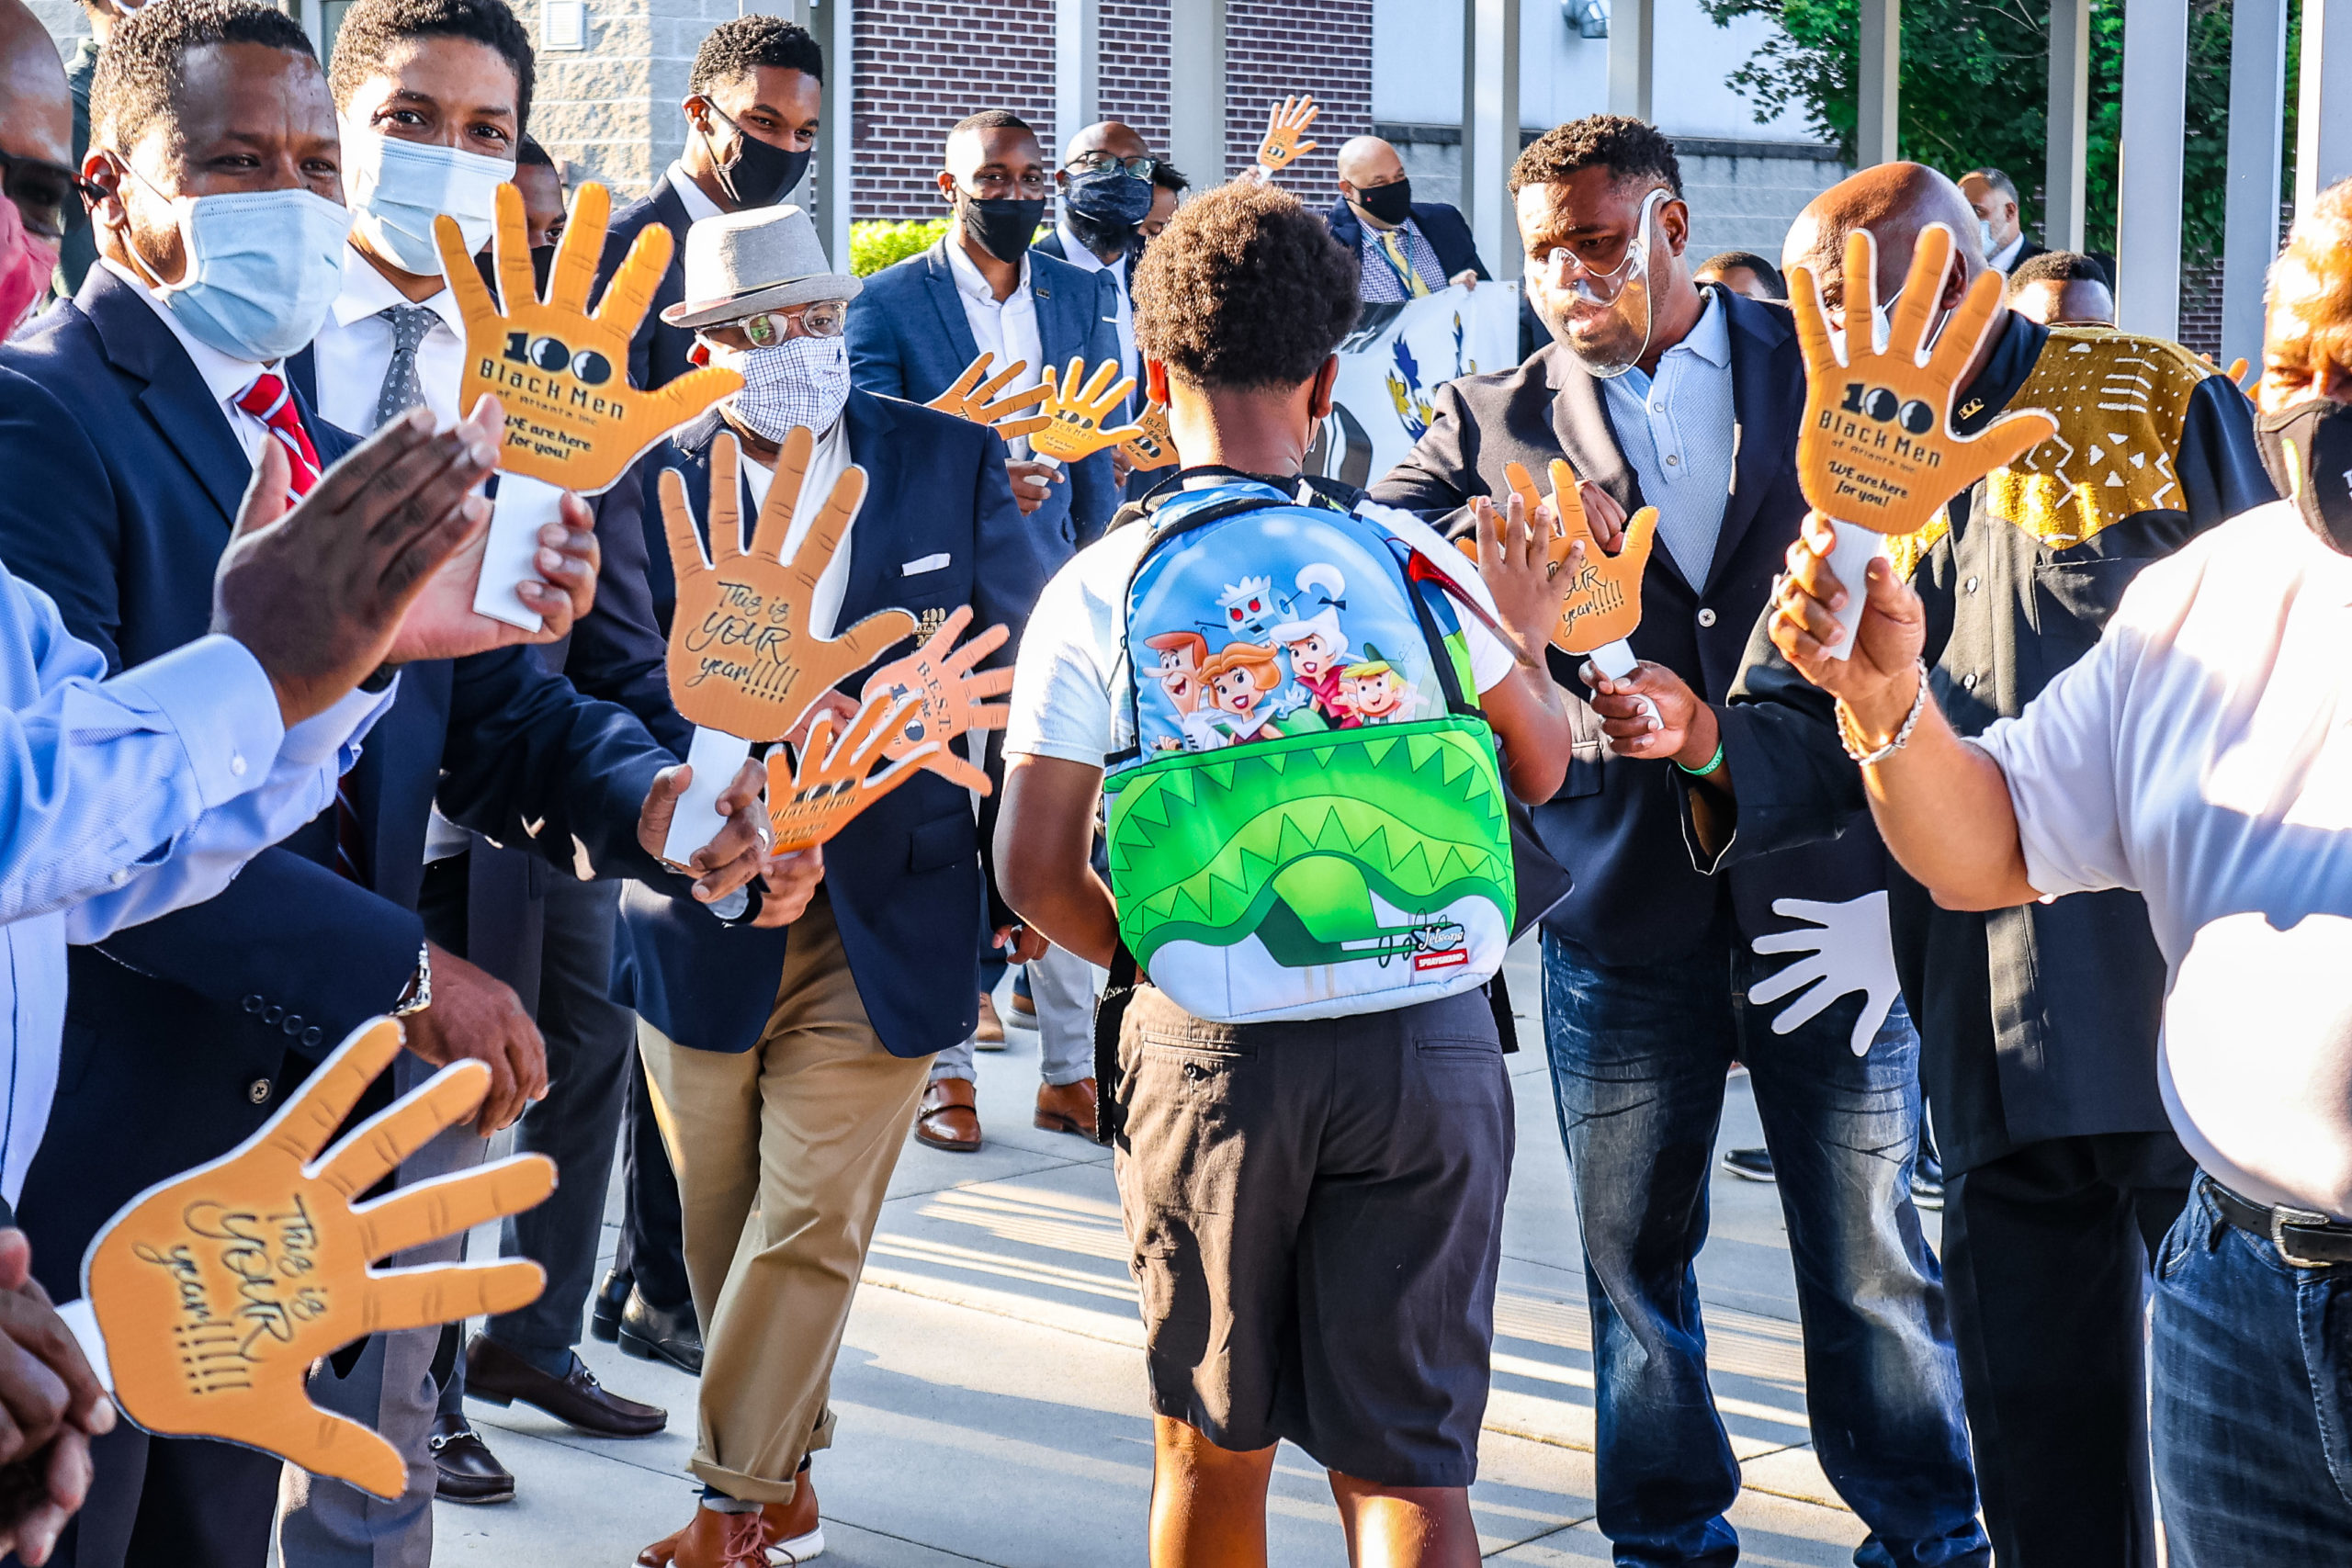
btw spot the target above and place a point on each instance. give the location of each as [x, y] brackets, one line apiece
[419, 993]
[1847, 732]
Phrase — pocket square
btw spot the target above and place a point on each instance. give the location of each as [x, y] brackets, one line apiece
[928, 563]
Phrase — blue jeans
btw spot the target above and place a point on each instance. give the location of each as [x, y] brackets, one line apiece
[1639, 1055]
[2251, 1399]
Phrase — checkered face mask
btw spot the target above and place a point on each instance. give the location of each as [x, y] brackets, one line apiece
[800, 381]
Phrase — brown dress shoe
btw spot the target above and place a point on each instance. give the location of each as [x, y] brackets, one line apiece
[948, 1118]
[991, 1026]
[499, 1375]
[712, 1540]
[790, 1530]
[1066, 1108]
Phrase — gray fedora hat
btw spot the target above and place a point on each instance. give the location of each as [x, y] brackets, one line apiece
[763, 258]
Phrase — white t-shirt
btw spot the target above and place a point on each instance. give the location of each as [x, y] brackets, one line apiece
[2201, 754]
[1066, 703]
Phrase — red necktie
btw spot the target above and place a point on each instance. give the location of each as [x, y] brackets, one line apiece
[268, 400]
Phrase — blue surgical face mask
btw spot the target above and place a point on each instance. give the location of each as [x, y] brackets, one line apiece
[398, 187]
[264, 267]
[1108, 197]
[1984, 231]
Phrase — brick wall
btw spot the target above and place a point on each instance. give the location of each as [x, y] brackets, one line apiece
[2201, 309]
[925, 64]
[1276, 47]
[1133, 69]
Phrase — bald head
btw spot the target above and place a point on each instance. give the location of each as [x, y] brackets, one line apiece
[1108, 136]
[2307, 332]
[1366, 163]
[35, 113]
[1894, 202]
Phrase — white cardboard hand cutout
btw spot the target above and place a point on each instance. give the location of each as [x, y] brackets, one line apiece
[1850, 948]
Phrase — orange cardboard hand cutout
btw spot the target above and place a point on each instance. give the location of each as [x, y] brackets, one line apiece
[743, 655]
[572, 420]
[1600, 602]
[1876, 447]
[974, 397]
[1150, 448]
[1282, 147]
[216, 1291]
[835, 780]
[1079, 413]
[950, 693]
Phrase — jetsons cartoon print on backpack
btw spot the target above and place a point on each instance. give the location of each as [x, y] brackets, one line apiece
[1312, 813]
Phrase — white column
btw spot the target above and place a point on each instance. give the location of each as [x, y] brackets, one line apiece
[1880, 82]
[1078, 70]
[2147, 227]
[1490, 128]
[2257, 142]
[2323, 99]
[1196, 90]
[2063, 196]
[1633, 26]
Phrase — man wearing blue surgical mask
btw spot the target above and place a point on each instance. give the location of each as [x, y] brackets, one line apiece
[1106, 189]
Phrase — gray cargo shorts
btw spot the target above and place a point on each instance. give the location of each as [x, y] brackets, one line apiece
[1315, 1211]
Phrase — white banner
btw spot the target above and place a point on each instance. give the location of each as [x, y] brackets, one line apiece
[1393, 363]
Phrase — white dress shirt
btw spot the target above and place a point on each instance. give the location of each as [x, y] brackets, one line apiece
[1676, 430]
[355, 349]
[698, 206]
[2201, 754]
[828, 460]
[1006, 328]
[1080, 257]
[2002, 260]
[225, 377]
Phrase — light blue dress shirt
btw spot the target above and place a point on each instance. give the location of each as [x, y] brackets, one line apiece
[1677, 429]
[123, 799]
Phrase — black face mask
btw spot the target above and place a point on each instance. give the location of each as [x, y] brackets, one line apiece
[761, 172]
[2308, 449]
[1003, 225]
[1392, 203]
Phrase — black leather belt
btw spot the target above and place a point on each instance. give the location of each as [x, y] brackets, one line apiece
[2304, 1239]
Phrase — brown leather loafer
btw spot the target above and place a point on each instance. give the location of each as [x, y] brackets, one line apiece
[1066, 1108]
[499, 1375]
[464, 1470]
[949, 1118]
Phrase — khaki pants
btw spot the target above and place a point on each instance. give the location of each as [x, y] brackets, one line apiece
[782, 1153]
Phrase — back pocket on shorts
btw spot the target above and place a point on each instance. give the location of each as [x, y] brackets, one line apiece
[1460, 1071]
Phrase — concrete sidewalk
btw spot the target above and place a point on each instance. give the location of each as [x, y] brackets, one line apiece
[990, 1388]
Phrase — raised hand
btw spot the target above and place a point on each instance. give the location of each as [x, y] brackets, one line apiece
[1150, 448]
[974, 397]
[939, 675]
[1078, 414]
[1601, 594]
[835, 780]
[1876, 447]
[572, 419]
[1849, 947]
[1282, 147]
[742, 657]
[217, 1290]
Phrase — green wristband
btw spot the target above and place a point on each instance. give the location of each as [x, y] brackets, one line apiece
[1714, 762]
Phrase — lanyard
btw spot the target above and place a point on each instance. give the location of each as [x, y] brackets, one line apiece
[1408, 276]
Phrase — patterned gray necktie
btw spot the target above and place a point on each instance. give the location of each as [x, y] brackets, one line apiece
[402, 390]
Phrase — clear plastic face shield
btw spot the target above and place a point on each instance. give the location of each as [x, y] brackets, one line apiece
[1600, 295]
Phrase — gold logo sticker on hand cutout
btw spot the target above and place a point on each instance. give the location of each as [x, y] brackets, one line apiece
[835, 780]
[216, 1291]
[1080, 411]
[743, 655]
[572, 419]
[1877, 448]
[941, 676]
[1151, 446]
[1284, 126]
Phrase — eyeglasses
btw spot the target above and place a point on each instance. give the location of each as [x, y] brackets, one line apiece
[994, 187]
[1095, 162]
[821, 317]
[49, 196]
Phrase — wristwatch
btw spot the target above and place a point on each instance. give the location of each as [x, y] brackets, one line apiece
[419, 994]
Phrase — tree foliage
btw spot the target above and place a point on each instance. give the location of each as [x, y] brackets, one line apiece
[1975, 91]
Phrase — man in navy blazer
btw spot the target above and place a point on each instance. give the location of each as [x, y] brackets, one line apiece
[130, 451]
[829, 1025]
[1654, 978]
[1378, 220]
[919, 323]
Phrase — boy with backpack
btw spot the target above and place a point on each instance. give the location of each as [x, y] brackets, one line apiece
[1307, 1088]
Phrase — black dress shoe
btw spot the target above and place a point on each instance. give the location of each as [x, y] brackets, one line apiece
[1754, 1164]
[652, 1335]
[499, 1375]
[467, 1471]
[604, 1312]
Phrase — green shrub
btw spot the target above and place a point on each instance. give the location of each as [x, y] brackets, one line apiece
[874, 245]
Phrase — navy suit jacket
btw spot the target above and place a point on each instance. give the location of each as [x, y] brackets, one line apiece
[1442, 226]
[905, 877]
[909, 338]
[657, 355]
[182, 1035]
[1616, 823]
